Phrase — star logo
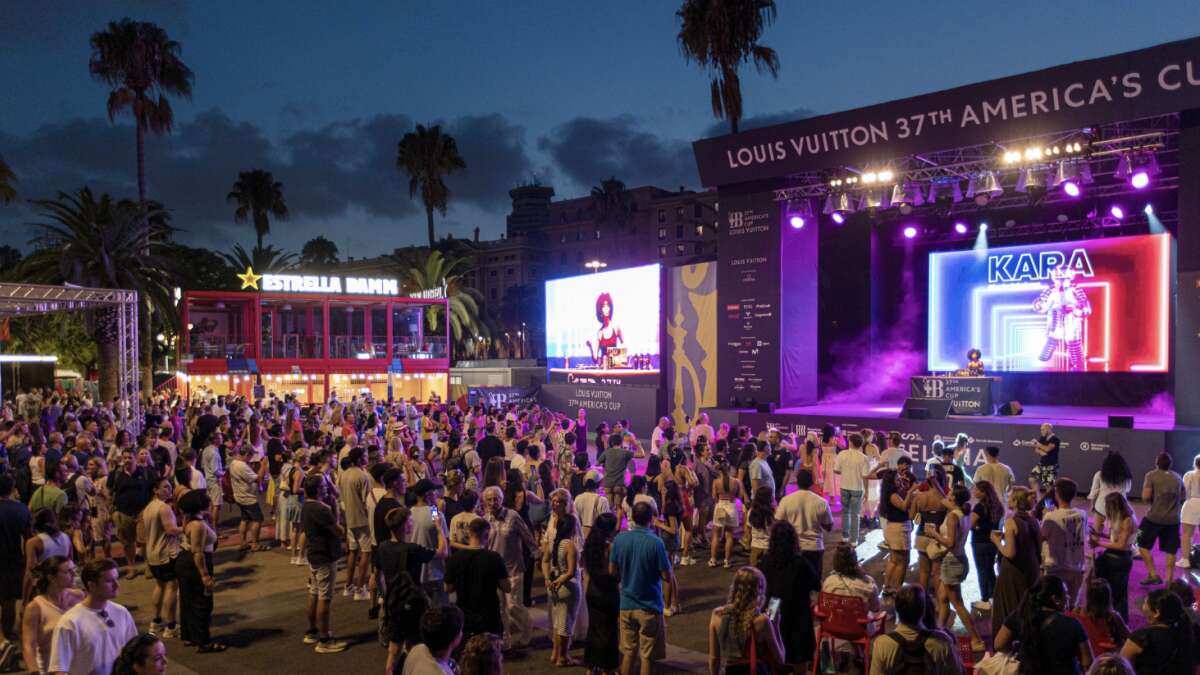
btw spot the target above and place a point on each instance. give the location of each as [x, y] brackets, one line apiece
[249, 279]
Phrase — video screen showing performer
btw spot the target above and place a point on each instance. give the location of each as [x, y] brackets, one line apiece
[1067, 309]
[975, 363]
[584, 333]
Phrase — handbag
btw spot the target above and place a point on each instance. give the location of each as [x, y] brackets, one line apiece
[1000, 663]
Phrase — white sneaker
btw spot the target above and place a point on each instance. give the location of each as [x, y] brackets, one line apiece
[1184, 563]
[348, 591]
[171, 633]
[362, 594]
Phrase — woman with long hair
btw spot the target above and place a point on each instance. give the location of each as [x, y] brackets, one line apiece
[986, 516]
[1165, 645]
[101, 515]
[482, 656]
[848, 578]
[952, 535]
[929, 504]
[1050, 641]
[1019, 545]
[760, 519]
[493, 473]
[1102, 624]
[193, 567]
[1116, 550]
[636, 494]
[1114, 476]
[608, 335]
[725, 493]
[831, 445]
[600, 652]
[48, 541]
[560, 567]
[54, 585]
[792, 579]
[1189, 516]
[740, 630]
[668, 528]
[143, 655]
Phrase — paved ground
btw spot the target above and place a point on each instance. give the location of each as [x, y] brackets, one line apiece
[260, 614]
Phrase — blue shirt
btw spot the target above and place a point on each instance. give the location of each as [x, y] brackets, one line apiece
[641, 558]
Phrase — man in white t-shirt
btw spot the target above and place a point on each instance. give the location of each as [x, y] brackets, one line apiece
[1064, 530]
[245, 481]
[701, 428]
[589, 505]
[852, 465]
[809, 514]
[89, 636]
[760, 471]
[658, 437]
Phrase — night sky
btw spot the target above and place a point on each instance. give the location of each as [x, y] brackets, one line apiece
[561, 91]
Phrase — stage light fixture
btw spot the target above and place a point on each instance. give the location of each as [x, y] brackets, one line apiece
[983, 227]
[837, 206]
[945, 188]
[871, 199]
[1138, 169]
[984, 187]
[910, 232]
[838, 217]
[1071, 188]
[1031, 180]
[1012, 157]
[960, 227]
[799, 213]
[1148, 210]
[906, 197]
[1116, 211]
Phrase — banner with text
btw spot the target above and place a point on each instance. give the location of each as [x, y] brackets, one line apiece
[639, 405]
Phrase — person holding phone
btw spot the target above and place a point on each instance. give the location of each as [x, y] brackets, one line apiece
[740, 632]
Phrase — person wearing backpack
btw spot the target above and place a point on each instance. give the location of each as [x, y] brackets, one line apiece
[912, 648]
[400, 564]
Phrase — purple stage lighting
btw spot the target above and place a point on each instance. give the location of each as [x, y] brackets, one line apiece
[1071, 188]
[1117, 212]
[796, 222]
[1140, 179]
[838, 217]
[910, 232]
[960, 227]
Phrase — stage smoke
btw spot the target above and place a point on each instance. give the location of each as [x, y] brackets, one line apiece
[1163, 403]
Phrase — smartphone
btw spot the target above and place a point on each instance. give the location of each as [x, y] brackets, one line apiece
[433, 512]
[773, 608]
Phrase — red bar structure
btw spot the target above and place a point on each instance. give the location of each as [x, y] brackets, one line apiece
[311, 345]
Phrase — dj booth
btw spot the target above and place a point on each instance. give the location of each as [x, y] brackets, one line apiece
[966, 395]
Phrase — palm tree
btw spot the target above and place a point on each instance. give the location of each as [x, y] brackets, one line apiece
[7, 191]
[436, 271]
[141, 64]
[259, 196]
[721, 35]
[611, 202]
[263, 259]
[319, 254]
[427, 156]
[97, 242]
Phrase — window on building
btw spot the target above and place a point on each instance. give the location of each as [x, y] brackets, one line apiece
[509, 272]
[662, 233]
[662, 251]
[697, 210]
[493, 274]
[679, 249]
[679, 232]
[700, 230]
[662, 215]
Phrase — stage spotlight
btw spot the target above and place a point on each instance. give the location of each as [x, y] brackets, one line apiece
[906, 197]
[838, 205]
[1148, 210]
[796, 222]
[960, 227]
[1071, 188]
[1138, 169]
[1139, 179]
[910, 232]
[984, 187]
[983, 227]
[838, 217]
[871, 199]
[1031, 180]
[1116, 211]
[799, 212]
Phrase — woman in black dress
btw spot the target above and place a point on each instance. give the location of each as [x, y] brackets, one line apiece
[1020, 557]
[792, 579]
[600, 652]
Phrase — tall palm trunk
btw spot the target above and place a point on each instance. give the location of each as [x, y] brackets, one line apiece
[429, 223]
[104, 332]
[145, 347]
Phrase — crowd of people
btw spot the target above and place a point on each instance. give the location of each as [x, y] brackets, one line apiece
[441, 517]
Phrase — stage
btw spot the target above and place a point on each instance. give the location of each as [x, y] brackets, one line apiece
[1084, 432]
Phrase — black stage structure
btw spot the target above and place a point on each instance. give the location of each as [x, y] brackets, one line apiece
[822, 320]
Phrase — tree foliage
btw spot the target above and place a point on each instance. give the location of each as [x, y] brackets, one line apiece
[427, 156]
[465, 304]
[319, 254]
[263, 259]
[258, 196]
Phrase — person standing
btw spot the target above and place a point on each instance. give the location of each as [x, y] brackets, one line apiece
[601, 650]
[428, 527]
[760, 470]
[1020, 550]
[793, 580]
[809, 515]
[1115, 559]
[589, 505]
[1190, 514]
[354, 490]
[214, 470]
[896, 495]
[1064, 531]
[400, 565]
[1114, 476]
[510, 537]
[851, 464]
[162, 547]
[560, 567]
[638, 560]
[985, 517]
[193, 568]
[478, 576]
[15, 527]
[1163, 489]
[245, 481]
[1045, 472]
[56, 593]
[130, 487]
[616, 459]
[89, 636]
[323, 538]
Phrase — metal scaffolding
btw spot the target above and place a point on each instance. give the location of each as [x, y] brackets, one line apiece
[20, 300]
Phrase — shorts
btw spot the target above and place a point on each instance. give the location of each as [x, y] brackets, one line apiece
[127, 526]
[359, 538]
[215, 494]
[1045, 474]
[251, 513]
[320, 580]
[1191, 511]
[644, 633]
[725, 514]
[164, 572]
[1166, 535]
[954, 569]
[898, 535]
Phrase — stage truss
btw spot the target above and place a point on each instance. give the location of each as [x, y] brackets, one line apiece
[1105, 146]
[21, 300]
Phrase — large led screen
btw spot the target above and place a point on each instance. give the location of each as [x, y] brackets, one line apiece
[1099, 305]
[604, 324]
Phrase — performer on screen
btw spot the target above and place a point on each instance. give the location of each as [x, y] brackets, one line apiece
[1066, 308]
[609, 335]
[974, 362]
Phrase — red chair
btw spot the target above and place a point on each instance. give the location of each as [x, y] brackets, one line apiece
[966, 654]
[845, 617]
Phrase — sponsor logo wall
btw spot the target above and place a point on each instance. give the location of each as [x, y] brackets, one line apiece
[639, 405]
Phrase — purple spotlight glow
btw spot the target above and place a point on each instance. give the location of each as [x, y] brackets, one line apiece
[1117, 212]
[796, 222]
[910, 232]
[1071, 188]
[1140, 179]
[838, 217]
[960, 227]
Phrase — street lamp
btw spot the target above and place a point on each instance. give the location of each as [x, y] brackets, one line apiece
[595, 265]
